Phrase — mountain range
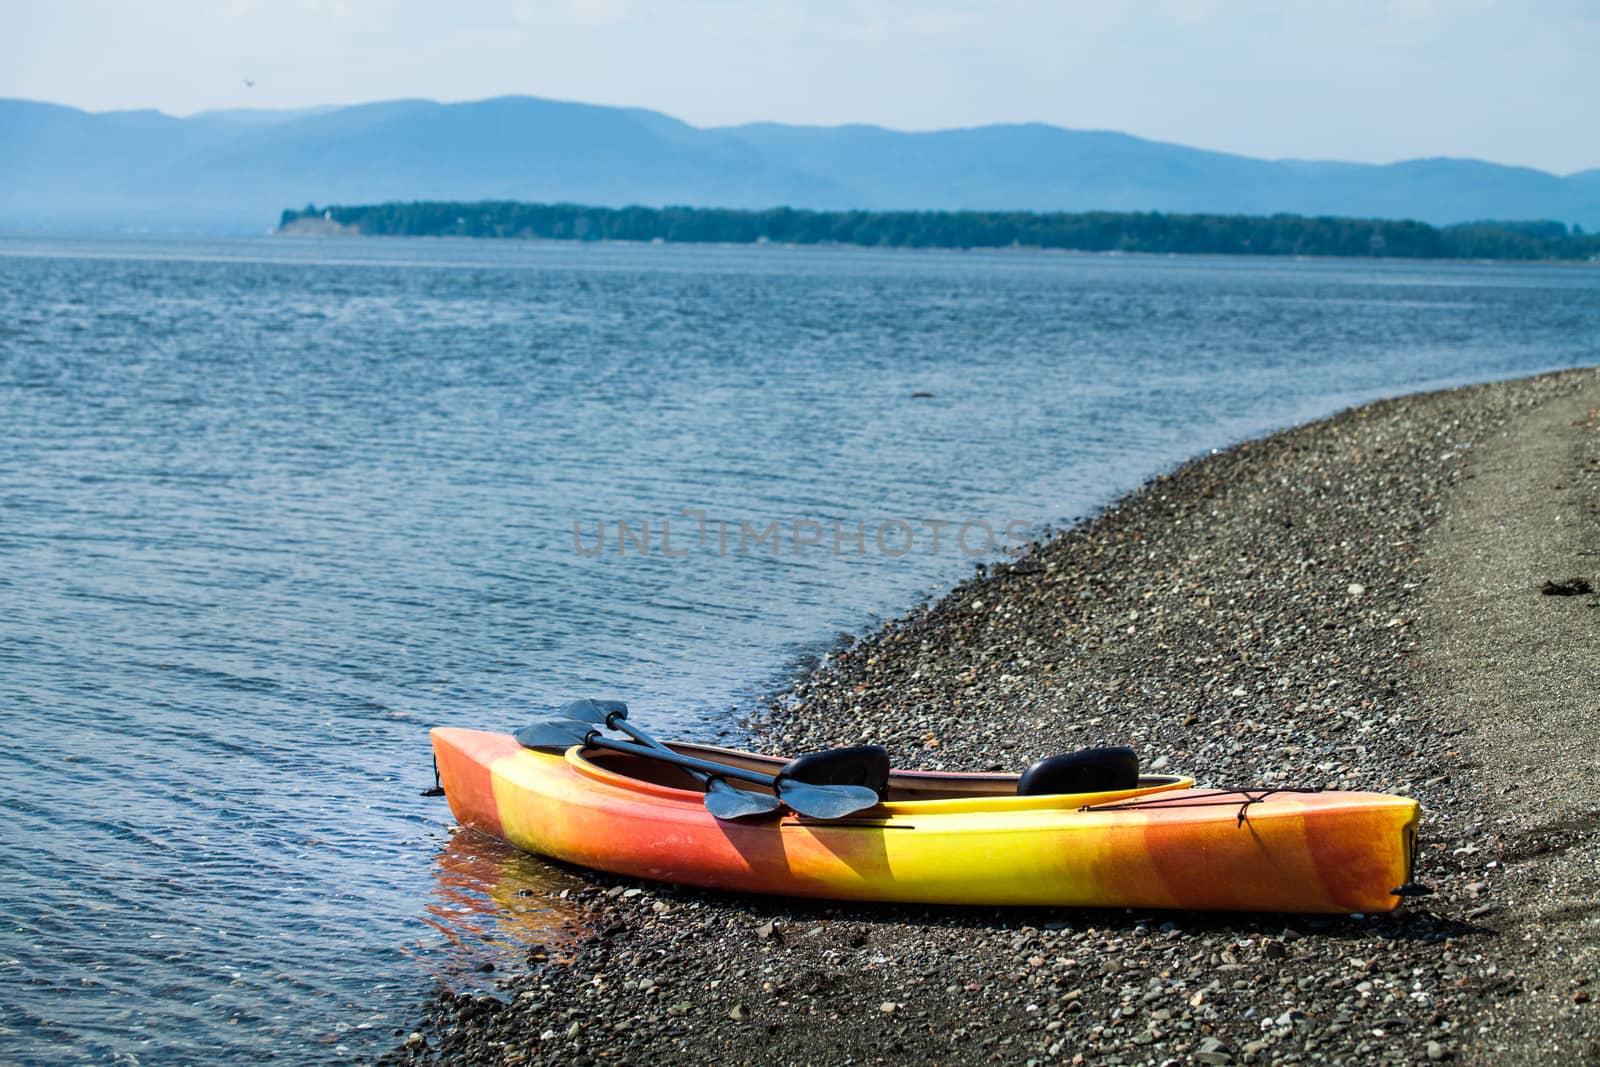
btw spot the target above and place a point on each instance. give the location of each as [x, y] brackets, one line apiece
[234, 171]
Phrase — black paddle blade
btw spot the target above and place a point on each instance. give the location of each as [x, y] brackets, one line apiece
[825, 801]
[726, 802]
[557, 736]
[595, 711]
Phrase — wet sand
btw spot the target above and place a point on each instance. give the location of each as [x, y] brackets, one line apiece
[1355, 603]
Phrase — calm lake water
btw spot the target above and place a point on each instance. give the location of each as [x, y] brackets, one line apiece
[271, 508]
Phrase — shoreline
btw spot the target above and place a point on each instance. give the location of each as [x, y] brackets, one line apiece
[338, 230]
[1281, 234]
[1346, 603]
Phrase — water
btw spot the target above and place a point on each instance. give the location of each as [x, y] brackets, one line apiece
[271, 508]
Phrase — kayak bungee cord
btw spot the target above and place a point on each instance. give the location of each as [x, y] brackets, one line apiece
[1206, 800]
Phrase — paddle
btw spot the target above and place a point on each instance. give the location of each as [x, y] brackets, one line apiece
[722, 800]
[814, 801]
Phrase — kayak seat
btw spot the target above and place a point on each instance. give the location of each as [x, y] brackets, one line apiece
[866, 765]
[1091, 770]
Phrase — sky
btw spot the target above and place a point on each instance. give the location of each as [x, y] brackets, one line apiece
[1361, 80]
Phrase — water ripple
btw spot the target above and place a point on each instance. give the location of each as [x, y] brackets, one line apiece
[269, 509]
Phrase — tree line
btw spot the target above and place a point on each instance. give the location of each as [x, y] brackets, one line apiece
[1087, 231]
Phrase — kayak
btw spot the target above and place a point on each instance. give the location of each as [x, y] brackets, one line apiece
[941, 838]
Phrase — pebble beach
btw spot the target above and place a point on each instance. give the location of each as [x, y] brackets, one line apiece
[1391, 599]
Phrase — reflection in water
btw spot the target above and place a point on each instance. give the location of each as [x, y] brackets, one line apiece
[497, 904]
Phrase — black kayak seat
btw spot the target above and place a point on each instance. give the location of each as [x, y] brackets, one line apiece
[1091, 770]
[866, 765]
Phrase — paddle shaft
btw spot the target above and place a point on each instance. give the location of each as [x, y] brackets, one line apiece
[667, 755]
[619, 721]
[723, 800]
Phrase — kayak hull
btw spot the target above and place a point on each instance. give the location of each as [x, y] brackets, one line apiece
[1162, 846]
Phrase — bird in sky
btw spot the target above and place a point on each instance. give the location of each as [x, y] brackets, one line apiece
[249, 83]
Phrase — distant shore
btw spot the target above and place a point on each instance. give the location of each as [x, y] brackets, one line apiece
[1354, 603]
[1094, 231]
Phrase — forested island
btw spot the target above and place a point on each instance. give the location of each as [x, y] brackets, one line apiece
[1089, 231]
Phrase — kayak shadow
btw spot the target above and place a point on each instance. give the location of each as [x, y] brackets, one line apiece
[494, 899]
[1412, 923]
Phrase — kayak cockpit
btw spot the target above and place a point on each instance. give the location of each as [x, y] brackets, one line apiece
[904, 792]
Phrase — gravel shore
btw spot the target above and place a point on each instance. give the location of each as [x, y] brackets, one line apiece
[1356, 604]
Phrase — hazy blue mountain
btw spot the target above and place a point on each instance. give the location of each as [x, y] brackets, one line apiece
[65, 168]
[1043, 167]
[255, 116]
[1017, 167]
[236, 170]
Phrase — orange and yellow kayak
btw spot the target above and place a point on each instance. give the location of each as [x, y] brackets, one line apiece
[943, 838]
